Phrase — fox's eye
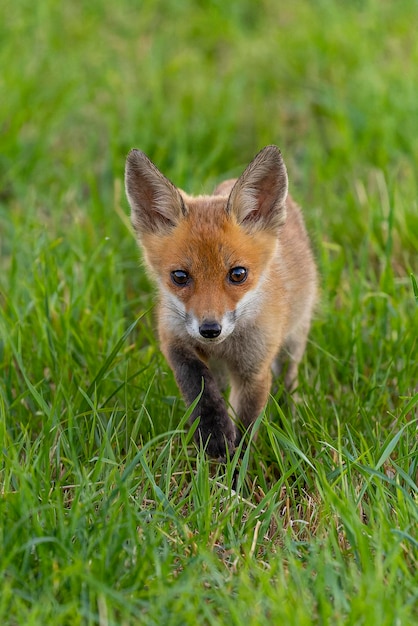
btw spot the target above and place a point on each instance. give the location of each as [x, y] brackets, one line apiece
[180, 277]
[237, 275]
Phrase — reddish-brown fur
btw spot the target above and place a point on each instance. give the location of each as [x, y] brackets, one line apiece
[248, 224]
[190, 246]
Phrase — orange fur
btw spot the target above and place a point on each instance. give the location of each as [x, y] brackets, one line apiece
[249, 226]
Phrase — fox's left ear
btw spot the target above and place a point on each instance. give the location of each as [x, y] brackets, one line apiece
[156, 204]
[258, 197]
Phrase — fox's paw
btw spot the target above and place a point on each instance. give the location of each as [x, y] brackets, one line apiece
[217, 438]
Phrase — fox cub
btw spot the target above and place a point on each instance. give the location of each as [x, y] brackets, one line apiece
[237, 285]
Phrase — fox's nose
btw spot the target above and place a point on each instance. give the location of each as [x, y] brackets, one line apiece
[210, 330]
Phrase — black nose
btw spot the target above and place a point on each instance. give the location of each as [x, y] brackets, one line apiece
[210, 330]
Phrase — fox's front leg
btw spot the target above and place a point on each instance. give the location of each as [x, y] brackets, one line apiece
[215, 430]
[249, 395]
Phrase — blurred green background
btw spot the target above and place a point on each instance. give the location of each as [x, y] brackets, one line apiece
[201, 85]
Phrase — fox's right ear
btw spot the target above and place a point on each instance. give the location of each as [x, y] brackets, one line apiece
[258, 198]
[156, 205]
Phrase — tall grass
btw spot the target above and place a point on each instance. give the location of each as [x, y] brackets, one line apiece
[108, 513]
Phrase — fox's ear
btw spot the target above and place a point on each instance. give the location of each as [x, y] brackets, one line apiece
[258, 197]
[156, 204]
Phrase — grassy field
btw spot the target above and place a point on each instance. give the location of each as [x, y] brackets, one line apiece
[108, 513]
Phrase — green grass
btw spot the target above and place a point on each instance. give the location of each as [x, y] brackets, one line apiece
[108, 513]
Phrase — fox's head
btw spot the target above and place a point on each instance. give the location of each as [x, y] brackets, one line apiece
[210, 255]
